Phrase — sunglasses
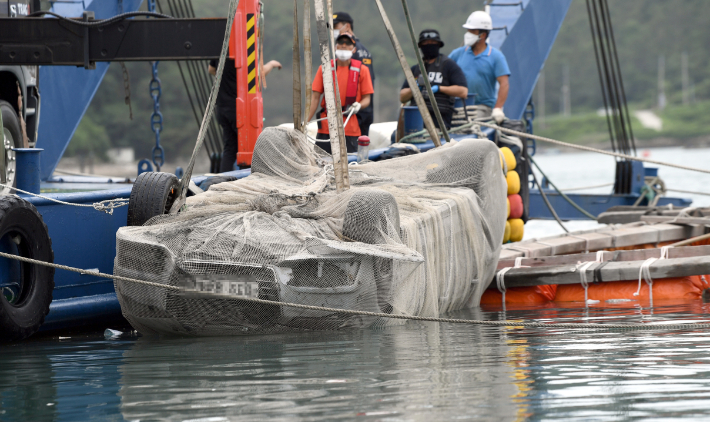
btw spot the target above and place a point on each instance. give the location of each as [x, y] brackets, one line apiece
[430, 35]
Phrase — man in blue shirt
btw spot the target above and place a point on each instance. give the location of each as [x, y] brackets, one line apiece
[483, 65]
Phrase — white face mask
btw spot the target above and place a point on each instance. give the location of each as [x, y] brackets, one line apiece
[336, 33]
[343, 55]
[469, 39]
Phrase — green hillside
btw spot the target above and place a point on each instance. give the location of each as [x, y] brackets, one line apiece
[644, 29]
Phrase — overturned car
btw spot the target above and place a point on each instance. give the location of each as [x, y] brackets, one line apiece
[415, 235]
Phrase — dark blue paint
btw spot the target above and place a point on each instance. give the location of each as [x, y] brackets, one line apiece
[593, 203]
[82, 238]
[28, 167]
[531, 34]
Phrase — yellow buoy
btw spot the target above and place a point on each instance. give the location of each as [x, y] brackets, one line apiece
[507, 201]
[509, 158]
[506, 233]
[517, 229]
[513, 181]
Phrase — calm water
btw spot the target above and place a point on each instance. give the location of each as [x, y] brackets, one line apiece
[418, 372]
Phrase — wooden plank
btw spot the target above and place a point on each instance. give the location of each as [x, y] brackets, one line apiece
[675, 220]
[635, 255]
[607, 271]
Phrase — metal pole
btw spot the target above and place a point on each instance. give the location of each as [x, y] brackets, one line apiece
[338, 105]
[297, 119]
[335, 117]
[307, 57]
[422, 70]
[418, 98]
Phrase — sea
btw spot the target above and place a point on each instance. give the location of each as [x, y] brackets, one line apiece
[416, 371]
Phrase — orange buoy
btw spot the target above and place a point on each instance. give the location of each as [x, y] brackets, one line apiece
[513, 180]
[529, 294]
[506, 233]
[666, 288]
[517, 229]
[509, 158]
[516, 206]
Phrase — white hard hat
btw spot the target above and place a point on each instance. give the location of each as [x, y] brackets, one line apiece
[479, 20]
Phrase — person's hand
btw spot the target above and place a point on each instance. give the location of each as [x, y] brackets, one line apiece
[498, 115]
[354, 107]
[274, 63]
[435, 88]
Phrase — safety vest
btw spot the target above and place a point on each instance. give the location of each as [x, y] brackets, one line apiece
[353, 83]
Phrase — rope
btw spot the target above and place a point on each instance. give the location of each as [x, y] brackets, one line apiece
[582, 267]
[185, 181]
[565, 197]
[645, 273]
[603, 185]
[506, 323]
[102, 22]
[590, 149]
[106, 206]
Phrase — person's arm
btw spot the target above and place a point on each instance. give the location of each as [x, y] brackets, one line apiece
[212, 70]
[502, 91]
[365, 101]
[315, 100]
[453, 91]
[405, 95]
[268, 67]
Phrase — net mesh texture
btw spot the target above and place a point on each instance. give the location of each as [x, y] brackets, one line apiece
[416, 235]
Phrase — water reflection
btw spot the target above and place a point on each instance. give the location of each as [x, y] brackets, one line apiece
[418, 371]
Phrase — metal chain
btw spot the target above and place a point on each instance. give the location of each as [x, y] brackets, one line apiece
[505, 323]
[156, 119]
[127, 88]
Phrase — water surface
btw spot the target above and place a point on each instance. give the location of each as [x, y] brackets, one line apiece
[413, 372]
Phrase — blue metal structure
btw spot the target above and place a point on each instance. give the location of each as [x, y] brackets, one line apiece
[524, 32]
[68, 91]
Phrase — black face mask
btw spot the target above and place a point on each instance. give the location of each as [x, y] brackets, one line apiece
[430, 51]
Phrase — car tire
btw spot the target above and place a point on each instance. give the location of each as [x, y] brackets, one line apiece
[13, 134]
[26, 288]
[153, 194]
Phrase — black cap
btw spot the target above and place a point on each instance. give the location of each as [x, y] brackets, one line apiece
[346, 35]
[430, 34]
[342, 17]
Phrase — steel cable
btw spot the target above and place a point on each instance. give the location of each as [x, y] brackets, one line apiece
[505, 323]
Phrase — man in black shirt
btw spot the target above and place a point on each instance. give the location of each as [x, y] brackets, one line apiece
[446, 77]
[227, 109]
[343, 23]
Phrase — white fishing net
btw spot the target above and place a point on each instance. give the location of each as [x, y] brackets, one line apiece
[416, 235]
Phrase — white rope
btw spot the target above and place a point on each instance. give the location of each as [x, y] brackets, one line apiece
[500, 276]
[582, 268]
[106, 206]
[645, 273]
[590, 149]
[505, 323]
[603, 185]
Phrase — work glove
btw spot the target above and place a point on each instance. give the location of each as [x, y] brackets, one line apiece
[435, 88]
[355, 107]
[498, 115]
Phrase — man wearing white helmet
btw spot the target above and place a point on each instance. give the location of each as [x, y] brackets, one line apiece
[483, 64]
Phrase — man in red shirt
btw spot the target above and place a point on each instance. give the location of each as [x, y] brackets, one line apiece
[355, 87]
